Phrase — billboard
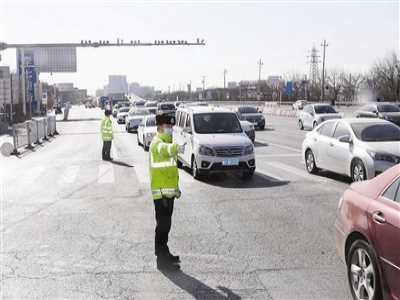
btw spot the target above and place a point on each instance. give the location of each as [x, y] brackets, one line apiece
[54, 59]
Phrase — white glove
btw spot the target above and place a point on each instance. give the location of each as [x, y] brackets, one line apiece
[181, 148]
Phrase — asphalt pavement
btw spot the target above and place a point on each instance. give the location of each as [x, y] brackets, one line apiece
[76, 227]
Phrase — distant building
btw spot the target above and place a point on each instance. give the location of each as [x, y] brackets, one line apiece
[100, 93]
[65, 86]
[68, 93]
[141, 91]
[232, 84]
[117, 84]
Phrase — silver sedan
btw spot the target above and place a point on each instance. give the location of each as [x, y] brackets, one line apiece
[359, 148]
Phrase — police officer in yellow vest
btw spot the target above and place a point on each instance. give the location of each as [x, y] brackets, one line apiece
[106, 134]
[164, 179]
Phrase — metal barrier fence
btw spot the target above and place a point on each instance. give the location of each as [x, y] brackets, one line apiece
[33, 132]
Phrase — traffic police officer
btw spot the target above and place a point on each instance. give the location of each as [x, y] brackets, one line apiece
[107, 135]
[164, 179]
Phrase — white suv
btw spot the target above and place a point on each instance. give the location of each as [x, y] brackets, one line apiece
[214, 142]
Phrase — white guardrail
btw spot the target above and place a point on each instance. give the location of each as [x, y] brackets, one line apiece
[33, 132]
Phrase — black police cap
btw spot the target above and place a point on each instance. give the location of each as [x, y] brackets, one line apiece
[165, 119]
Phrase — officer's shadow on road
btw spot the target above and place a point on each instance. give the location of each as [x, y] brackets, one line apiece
[198, 289]
[233, 181]
[121, 163]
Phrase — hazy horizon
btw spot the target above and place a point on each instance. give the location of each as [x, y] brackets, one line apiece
[237, 35]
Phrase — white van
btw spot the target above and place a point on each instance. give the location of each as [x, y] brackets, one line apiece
[215, 141]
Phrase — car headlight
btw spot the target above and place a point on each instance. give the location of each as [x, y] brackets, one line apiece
[249, 149]
[204, 150]
[384, 157]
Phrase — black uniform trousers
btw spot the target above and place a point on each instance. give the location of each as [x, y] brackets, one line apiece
[164, 208]
[106, 150]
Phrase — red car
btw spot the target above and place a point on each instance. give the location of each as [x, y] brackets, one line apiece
[368, 236]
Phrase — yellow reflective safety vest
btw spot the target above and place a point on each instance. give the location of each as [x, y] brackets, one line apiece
[164, 174]
[106, 129]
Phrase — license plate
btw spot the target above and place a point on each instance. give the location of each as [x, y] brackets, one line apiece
[230, 162]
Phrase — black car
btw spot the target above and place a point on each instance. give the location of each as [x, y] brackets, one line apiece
[252, 115]
[383, 110]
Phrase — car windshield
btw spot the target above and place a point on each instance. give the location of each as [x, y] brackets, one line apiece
[385, 132]
[151, 122]
[248, 110]
[123, 109]
[324, 109]
[216, 123]
[151, 104]
[388, 108]
[167, 107]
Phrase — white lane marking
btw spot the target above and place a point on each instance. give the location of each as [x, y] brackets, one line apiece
[69, 175]
[32, 174]
[279, 146]
[268, 173]
[296, 171]
[106, 173]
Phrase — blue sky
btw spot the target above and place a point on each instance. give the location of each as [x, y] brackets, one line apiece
[237, 35]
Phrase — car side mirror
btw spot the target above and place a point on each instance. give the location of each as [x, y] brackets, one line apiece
[312, 113]
[346, 139]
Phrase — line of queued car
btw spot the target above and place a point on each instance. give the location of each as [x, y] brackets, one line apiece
[367, 228]
[216, 139]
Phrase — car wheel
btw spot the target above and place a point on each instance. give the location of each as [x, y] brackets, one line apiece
[363, 272]
[315, 124]
[310, 162]
[195, 170]
[247, 175]
[358, 172]
[301, 126]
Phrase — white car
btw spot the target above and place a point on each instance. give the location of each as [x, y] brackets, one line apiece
[314, 114]
[146, 131]
[121, 115]
[299, 104]
[134, 118]
[359, 148]
[214, 141]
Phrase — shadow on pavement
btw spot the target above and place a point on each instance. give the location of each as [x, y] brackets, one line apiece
[233, 181]
[121, 163]
[334, 176]
[260, 144]
[198, 289]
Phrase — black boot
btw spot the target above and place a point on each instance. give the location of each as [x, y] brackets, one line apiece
[174, 258]
[164, 263]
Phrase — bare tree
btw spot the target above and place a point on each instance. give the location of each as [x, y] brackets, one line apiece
[384, 78]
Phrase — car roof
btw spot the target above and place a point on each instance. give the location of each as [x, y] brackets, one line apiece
[315, 104]
[364, 120]
[207, 109]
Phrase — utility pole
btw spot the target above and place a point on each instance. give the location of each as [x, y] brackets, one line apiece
[225, 72]
[324, 45]
[224, 93]
[204, 86]
[260, 64]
